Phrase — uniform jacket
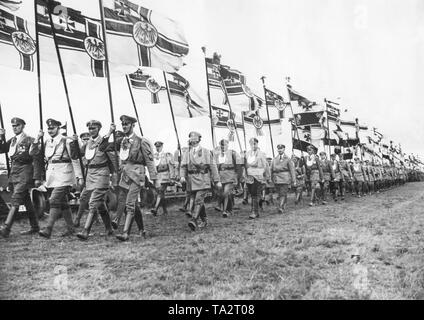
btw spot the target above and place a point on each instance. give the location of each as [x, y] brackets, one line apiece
[338, 174]
[24, 167]
[282, 170]
[345, 169]
[229, 166]
[62, 170]
[98, 164]
[313, 164]
[358, 172]
[199, 169]
[257, 167]
[327, 169]
[165, 166]
[300, 172]
[136, 154]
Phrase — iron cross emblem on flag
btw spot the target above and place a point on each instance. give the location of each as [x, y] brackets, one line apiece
[122, 8]
[66, 22]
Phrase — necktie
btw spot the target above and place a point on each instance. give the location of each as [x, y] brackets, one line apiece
[13, 141]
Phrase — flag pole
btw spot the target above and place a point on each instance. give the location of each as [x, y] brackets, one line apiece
[40, 100]
[209, 99]
[133, 102]
[244, 130]
[269, 120]
[6, 155]
[294, 120]
[109, 86]
[173, 118]
[328, 128]
[65, 86]
[231, 112]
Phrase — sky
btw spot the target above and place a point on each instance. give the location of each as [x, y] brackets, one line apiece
[369, 55]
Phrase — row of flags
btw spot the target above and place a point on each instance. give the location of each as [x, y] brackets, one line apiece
[136, 42]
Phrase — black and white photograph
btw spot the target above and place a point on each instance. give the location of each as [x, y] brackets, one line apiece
[225, 151]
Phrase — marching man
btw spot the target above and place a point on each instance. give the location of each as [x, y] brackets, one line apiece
[97, 177]
[165, 168]
[283, 174]
[229, 168]
[199, 171]
[24, 169]
[136, 154]
[61, 175]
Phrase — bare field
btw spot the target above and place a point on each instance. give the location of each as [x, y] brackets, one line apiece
[368, 248]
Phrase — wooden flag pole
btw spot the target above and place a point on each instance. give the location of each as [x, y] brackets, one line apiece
[109, 86]
[6, 155]
[294, 119]
[328, 129]
[40, 100]
[269, 120]
[65, 86]
[209, 100]
[133, 102]
[244, 130]
[173, 117]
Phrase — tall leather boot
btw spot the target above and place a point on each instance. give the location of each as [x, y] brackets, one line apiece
[83, 235]
[127, 228]
[225, 205]
[33, 219]
[255, 207]
[203, 218]
[138, 217]
[53, 216]
[82, 207]
[154, 211]
[195, 216]
[67, 216]
[164, 206]
[119, 212]
[5, 229]
[104, 214]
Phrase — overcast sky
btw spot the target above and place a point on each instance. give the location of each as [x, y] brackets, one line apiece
[368, 53]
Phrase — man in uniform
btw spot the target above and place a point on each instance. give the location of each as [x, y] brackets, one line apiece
[97, 177]
[199, 171]
[229, 168]
[328, 175]
[165, 168]
[62, 173]
[282, 174]
[24, 168]
[136, 154]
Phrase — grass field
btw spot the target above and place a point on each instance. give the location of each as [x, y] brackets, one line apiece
[368, 248]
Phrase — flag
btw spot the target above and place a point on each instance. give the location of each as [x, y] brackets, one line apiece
[185, 101]
[79, 38]
[12, 5]
[216, 90]
[308, 118]
[275, 100]
[301, 100]
[138, 36]
[225, 126]
[240, 96]
[302, 141]
[17, 39]
[154, 91]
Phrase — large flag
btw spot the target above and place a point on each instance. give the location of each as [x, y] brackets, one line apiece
[216, 90]
[137, 36]
[304, 139]
[79, 38]
[151, 89]
[303, 102]
[275, 100]
[225, 126]
[186, 102]
[308, 118]
[17, 37]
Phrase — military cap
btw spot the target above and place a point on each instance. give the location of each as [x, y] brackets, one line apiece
[333, 155]
[94, 123]
[223, 142]
[128, 119]
[322, 153]
[253, 140]
[53, 123]
[281, 146]
[16, 121]
[84, 135]
[194, 133]
[158, 143]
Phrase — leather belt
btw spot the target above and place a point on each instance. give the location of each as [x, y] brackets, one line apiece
[132, 162]
[162, 170]
[61, 161]
[198, 171]
[98, 165]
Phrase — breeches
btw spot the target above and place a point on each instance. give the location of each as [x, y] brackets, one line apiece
[255, 188]
[97, 198]
[129, 197]
[59, 198]
[20, 194]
